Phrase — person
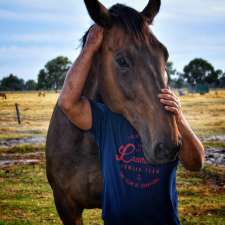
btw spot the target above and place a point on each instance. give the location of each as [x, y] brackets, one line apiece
[135, 192]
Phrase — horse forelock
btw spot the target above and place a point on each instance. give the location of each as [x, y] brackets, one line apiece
[127, 18]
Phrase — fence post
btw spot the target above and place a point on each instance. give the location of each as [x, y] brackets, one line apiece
[18, 113]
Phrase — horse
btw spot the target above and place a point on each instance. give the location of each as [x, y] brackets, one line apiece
[41, 93]
[3, 95]
[127, 74]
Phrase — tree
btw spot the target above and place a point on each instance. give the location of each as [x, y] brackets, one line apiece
[30, 85]
[215, 79]
[174, 77]
[199, 71]
[53, 75]
[179, 81]
[170, 71]
[42, 80]
[12, 83]
[222, 80]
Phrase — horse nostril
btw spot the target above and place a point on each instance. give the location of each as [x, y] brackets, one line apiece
[180, 142]
[163, 152]
[176, 148]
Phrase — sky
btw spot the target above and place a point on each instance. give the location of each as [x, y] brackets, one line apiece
[33, 32]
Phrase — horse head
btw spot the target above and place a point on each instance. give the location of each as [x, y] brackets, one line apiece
[131, 73]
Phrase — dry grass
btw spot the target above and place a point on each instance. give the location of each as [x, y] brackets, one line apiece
[35, 114]
[205, 113]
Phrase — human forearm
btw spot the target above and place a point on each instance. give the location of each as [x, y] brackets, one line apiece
[192, 151]
[78, 73]
[75, 79]
[78, 109]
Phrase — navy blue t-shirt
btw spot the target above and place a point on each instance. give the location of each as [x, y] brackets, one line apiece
[135, 192]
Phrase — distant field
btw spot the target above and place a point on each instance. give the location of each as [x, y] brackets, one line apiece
[26, 198]
[205, 113]
[35, 114]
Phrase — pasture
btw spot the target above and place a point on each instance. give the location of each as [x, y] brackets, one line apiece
[26, 198]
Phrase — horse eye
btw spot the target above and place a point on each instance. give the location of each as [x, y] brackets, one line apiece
[122, 62]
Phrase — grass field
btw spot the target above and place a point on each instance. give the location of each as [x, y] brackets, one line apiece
[205, 113]
[35, 114]
[26, 198]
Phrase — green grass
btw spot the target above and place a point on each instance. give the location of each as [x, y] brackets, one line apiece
[214, 144]
[26, 197]
[23, 148]
[202, 196]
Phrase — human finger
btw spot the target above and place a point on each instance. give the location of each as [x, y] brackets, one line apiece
[169, 103]
[172, 110]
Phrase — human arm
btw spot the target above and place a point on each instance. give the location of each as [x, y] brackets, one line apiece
[192, 152]
[76, 107]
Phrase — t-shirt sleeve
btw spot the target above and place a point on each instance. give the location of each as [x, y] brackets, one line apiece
[98, 111]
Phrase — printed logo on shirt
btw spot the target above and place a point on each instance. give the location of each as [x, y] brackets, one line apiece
[134, 169]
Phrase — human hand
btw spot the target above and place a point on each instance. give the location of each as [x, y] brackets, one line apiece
[171, 103]
[94, 38]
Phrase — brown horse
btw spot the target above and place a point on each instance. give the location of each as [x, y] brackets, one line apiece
[128, 72]
[41, 93]
[3, 95]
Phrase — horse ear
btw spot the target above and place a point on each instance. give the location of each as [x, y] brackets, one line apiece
[151, 10]
[99, 13]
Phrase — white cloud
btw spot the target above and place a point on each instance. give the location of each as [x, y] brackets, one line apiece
[42, 38]
[74, 11]
[14, 54]
[26, 62]
[45, 5]
[46, 17]
[192, 11]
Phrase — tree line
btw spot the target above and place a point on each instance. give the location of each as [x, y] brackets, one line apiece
[51, 77]
[197, 72]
